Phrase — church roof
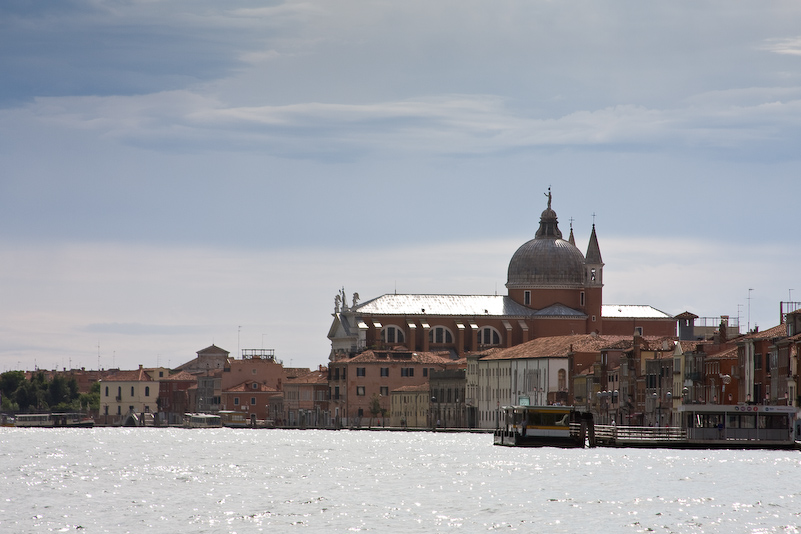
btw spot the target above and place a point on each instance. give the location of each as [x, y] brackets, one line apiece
[492, 305]
[559, 310]
[547, 260]
[632, 311]
[593, 256]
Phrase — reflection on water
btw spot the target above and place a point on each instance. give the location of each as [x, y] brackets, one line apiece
[226, 480]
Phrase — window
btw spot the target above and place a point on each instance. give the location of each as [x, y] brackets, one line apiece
[385, 371]
[440, 334]
[132, 391]
[425, 371]
[147, 391]
[384, 391]
[255, 385]
[253, 401]
[407, 371]
[592, 275]
[581, 299]
[527, 298]
[360, 371]
[336, 392]
[336, 373]
[638, 330]
[562, 380]
[392, 334]
[360, 391]
[161, 374]
[106, 391]
[236, 401]
[489, 336]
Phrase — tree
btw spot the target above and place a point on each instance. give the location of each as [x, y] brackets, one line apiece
[10, 381]
[375, 407]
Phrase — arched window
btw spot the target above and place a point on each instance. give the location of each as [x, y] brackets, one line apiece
[392, 334]
[132, 391]
[106, 391]
[488, 335]
[562, 380]
[147, 391]
[440, 334]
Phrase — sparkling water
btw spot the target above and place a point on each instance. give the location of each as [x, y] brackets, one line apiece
[239, 480]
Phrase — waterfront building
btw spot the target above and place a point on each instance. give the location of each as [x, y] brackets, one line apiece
[251, 397]
[173, 401]
[754, 358]
[306, 400]
[448, 397]
[258, 365]
[130, 392]
[354, 382]
[410, 407]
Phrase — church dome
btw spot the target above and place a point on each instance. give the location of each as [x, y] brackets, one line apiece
[547, 260]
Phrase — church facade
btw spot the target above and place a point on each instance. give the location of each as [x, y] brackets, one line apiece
[553, 289]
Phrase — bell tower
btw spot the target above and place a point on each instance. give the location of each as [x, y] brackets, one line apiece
[593, 284]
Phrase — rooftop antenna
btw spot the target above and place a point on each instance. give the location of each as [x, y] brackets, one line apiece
[739, 314]
[749, 310]
[238, 334]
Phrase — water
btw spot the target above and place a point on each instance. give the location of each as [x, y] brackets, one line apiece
[241, 481]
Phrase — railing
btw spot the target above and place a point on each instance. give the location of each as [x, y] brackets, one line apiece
[622, 434]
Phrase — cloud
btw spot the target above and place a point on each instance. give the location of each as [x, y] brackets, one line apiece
[789, 46]
[443, 125]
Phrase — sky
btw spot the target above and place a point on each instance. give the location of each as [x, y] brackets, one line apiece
[178, 173]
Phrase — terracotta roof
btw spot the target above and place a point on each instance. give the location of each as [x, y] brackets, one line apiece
[183, 375]
[776, 331]
[314, 377]
[138, 375]
[248, 386]
[560, 346]
[724, 354]
[370, 356]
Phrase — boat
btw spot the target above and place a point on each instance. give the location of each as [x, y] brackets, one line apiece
[53, 420]
[233, 419]
[202, 420]
[545, 426]
[712, 426]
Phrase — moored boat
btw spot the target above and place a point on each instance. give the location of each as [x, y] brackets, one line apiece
[53, 420]
[545, 426]
[202, 420]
